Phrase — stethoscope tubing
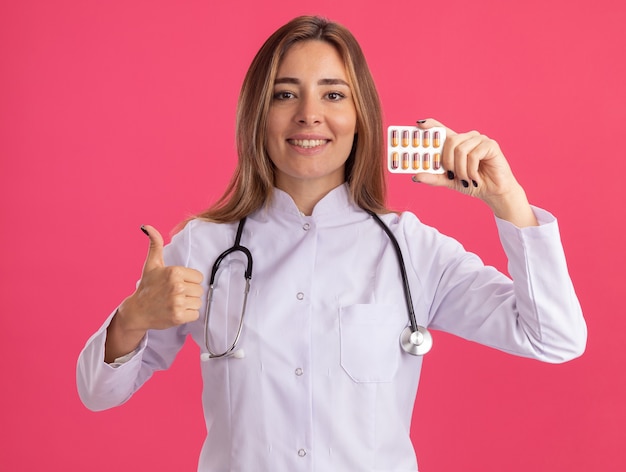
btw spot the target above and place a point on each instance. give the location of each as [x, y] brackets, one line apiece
[237, 247]
[414, 339]
[405, 280]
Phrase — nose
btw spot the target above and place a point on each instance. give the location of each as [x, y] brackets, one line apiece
[309, 111]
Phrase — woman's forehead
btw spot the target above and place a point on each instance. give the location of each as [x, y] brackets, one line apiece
[312, 58]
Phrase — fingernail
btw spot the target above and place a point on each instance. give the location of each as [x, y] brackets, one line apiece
[475, 183]
[414, 179]
[450, 175]
[145, 231]
[421, 122]
[465, 183]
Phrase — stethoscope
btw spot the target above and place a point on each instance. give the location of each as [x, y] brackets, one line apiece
[414, 339]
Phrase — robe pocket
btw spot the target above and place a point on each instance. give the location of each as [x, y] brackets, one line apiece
[370, 346]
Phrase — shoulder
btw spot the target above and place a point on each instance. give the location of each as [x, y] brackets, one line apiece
[199, 227]
[198, 237]
[419, 238]
[406, 222]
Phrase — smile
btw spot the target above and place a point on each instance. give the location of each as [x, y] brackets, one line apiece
[307, 143]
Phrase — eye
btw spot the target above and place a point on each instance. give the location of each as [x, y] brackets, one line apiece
[283, 95]
[335, 96]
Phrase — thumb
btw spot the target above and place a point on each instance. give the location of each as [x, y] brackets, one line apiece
[436, 180]
[430, 122]
[154, 259]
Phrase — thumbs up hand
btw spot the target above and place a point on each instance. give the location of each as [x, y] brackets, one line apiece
[166, 296]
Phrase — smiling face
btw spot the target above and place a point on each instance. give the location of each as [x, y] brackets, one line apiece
[312, 119]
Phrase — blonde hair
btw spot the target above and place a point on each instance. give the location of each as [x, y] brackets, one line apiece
[252, 182]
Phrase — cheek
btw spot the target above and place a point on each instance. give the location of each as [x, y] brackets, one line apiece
[347, 123]
[347, 128]
[270, 129]
[272, 133]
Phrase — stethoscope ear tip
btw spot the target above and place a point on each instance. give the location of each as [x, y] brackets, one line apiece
[205, 356]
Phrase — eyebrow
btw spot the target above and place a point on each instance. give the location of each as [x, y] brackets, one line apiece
[292, 80]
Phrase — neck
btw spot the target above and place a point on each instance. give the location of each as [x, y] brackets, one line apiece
[306, 196]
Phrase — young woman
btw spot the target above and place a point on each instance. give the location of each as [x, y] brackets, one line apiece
[318, 379]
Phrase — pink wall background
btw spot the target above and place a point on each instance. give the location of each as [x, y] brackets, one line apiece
[119, 113]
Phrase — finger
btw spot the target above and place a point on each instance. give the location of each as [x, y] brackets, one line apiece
[474, 158]
[454, 154]
[436, 180]
[192, 307]
[181, 316]
[460, 148]
[182, 307]
[193, 304]
[192, 276]
[193, 290]
[192, 314]
[430, 123]
[154, 259]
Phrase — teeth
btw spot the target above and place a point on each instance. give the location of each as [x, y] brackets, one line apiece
[308, 143]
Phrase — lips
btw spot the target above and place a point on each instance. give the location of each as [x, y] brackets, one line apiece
[307, 143]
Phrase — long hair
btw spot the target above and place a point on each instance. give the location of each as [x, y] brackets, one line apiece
[252, 182]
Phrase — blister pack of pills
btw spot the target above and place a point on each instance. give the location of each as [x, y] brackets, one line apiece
[411, 149]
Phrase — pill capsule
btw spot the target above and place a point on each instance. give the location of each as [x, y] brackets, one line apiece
[436, 141]
[416, 138]
[405, 138]
[426, 161]
[437, 161]
[426, 139]
[405, 160]
[394, 138]
[395, 160]
[416, 160]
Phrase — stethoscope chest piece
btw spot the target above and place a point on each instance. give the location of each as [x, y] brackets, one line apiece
[416, 342]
